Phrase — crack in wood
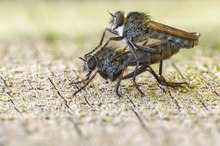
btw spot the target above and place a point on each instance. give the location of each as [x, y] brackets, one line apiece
[76, 126]
[6, 86]
[138, 116]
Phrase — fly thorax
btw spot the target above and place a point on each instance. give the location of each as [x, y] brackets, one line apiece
[135, 34]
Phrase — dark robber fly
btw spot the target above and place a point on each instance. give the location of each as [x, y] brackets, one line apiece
[111, 62]
[137, 27]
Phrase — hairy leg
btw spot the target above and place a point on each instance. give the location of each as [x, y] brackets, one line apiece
[87, 82]
[102, 39]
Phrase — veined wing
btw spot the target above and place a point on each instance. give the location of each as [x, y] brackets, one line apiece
[172, 31]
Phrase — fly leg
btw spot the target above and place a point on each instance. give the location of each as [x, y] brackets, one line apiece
[83, 80]
[131, 47]
[161, 67]
[113, 39]
[140, 70]
[118, 84]
[150, 50]
[86, 83]
[79, 82]
[102, 38]
[110, 39]
[161, 80]
[146, 49]
[124, 50]
[136, 67]
[161, 70]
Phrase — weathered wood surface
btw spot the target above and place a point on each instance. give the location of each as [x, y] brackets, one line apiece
[37, 106]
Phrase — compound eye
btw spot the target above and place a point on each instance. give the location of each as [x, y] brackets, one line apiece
[90, 63]
[119, 16]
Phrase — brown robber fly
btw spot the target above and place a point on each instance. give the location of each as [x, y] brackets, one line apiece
[137, 27]
[111, 61]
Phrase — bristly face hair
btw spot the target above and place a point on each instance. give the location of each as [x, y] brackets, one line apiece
[111, 19]
[82, 59]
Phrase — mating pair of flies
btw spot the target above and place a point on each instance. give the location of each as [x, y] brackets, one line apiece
[136, 29]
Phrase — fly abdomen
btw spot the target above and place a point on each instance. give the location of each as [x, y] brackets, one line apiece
[182, 43]
[168, 50]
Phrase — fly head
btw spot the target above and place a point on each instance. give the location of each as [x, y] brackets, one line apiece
[118, 19]
[90, 63]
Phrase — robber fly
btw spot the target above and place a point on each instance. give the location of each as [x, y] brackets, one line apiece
[111, 62]
[137, 27]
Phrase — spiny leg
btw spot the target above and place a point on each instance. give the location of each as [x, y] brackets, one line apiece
[140, 70]
[136, 67]
[161, 80]
[118, 84]
[161, 67]
[86, 83]
[79, 82]
[113, 39]
[161, 71]
[125, 48]
[132, 49]
[153, 51]
[110, 39]
[102, 38]
[131, 75]
[83, 80]
[146, 49]
[158, 44]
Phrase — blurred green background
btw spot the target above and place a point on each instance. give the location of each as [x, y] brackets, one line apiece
[68, 29]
